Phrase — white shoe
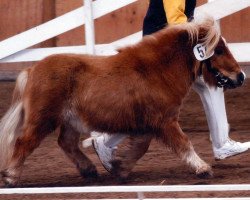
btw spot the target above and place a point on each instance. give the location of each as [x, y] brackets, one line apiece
[230, 148]
[105, 154]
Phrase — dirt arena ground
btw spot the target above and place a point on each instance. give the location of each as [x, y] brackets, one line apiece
[48, 166]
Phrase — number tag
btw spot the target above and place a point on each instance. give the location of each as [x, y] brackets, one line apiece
[200, 52]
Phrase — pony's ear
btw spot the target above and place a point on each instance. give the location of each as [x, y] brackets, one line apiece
[209, 78]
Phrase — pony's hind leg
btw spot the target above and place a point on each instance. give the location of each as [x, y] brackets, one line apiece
[24, 146]
[178, 141]
[68, 140]
[126, 159]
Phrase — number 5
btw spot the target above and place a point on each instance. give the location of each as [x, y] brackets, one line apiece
[201, 51]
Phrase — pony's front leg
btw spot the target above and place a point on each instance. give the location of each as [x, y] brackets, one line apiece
[178, 141]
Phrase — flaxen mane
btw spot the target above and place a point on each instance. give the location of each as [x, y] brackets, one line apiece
[204, 30]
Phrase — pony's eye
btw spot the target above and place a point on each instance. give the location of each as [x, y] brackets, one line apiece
[218, 51]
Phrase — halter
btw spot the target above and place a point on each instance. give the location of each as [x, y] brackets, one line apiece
[222, 81]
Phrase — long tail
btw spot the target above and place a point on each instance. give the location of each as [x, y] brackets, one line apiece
[11, 123]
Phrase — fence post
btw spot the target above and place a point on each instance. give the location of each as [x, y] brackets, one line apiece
[140, 195]
[89, 27]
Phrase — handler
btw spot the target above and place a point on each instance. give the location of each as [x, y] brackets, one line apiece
[159, 14]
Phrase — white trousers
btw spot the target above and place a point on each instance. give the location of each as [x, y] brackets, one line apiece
[214, 105]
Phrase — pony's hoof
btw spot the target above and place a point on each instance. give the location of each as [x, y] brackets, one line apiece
[89, 172]
[116, 167]
[120, 172]
[205, 173]
[9, 185]
[9, 182]
[122, 180]
[122, 177]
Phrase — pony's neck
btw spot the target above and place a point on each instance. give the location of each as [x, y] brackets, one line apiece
[171, 52]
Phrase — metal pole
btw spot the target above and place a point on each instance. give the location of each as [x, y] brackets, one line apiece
[89, 27]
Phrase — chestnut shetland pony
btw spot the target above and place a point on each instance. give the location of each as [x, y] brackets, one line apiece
[139, 91]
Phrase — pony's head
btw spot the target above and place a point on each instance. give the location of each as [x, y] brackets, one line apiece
[222, 69]
[219, 67]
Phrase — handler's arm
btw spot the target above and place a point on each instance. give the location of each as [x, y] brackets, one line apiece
[174, 10]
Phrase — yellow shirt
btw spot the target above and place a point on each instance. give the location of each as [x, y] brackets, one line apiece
[175, 11]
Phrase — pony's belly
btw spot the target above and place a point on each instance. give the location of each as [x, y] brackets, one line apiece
[72, 118]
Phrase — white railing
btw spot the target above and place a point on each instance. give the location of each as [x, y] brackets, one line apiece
[89, 27]
[140, 190]
[57, 26]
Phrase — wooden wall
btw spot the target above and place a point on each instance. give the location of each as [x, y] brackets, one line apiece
[17, 16]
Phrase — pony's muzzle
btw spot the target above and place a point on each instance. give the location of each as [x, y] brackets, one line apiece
[241, 78]
[234, 83]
